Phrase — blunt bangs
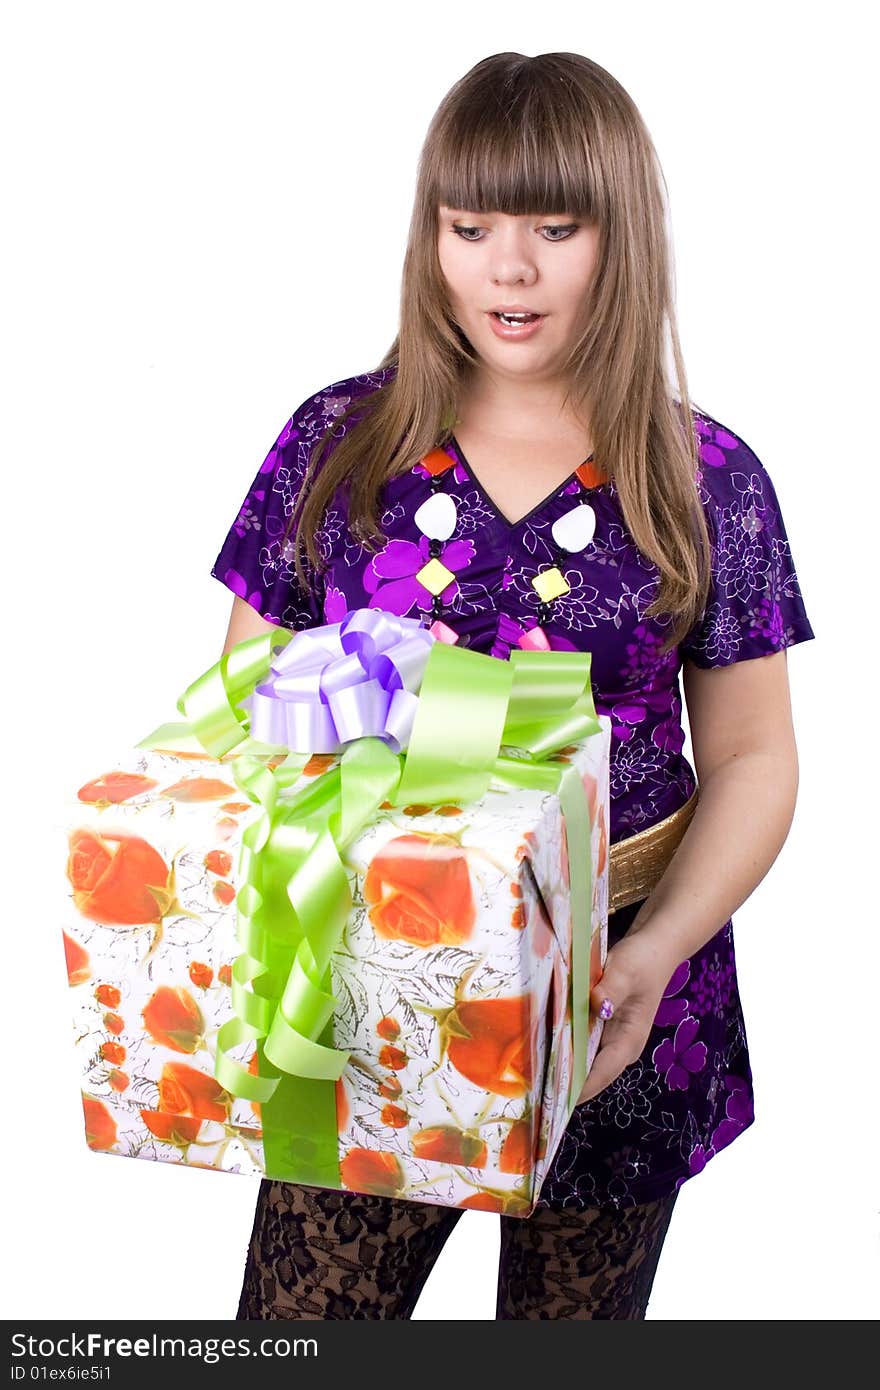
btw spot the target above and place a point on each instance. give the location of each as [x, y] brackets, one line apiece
[526, 155]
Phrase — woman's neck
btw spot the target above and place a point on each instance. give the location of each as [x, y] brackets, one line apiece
[527, 411]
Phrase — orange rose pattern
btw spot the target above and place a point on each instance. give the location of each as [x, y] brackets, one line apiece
[343, 1110]
[518, 1148]
[78, 966]
[541, 933]
[366, 1170]
[171, 1129]
[489, 1042]
[392, 1057]
[173, 1018]
[419, 888]
[318, 763]
[199, 789]
[485, 1201]
[200, 974]
[446, 1144]
[225, 827]
[395, 1117]
[504, 1203]
[184, 1090]
[100, 1125]
[219, 861]
[113, 788]
[117, 877]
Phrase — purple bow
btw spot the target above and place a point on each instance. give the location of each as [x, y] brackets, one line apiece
[345, 680]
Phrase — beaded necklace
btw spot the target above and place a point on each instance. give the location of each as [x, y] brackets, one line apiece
[437, 517]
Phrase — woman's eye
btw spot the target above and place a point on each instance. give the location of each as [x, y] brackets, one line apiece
[569, 228]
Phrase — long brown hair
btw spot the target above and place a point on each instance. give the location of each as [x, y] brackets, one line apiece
[550, 134]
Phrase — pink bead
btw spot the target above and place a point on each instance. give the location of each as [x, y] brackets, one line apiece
[534, 640]
[443, 633]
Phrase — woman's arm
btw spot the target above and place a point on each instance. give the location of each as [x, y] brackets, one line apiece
[244, 622]
[746, 762]
[747, 766]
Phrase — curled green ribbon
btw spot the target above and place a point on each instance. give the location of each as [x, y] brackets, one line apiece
[293, 895]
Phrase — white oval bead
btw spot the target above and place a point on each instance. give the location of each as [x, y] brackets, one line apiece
[574, 530]
[436, 517]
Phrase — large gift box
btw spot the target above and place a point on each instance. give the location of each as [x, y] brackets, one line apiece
[363, 964]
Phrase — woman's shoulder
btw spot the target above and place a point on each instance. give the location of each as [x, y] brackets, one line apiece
[741, 504]
[317, 412]
[723, 451]
[731, 476]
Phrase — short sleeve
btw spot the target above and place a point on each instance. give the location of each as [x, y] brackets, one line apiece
[255, 561]
[755, 604]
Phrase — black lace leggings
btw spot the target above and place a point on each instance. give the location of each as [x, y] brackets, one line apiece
[318, 1253]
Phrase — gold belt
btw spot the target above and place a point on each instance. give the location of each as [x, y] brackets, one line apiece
[637, 863]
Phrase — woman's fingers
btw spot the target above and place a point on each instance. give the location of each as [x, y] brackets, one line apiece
[621, 1044]
[627, 996]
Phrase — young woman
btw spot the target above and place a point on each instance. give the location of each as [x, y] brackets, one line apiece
[528, 385]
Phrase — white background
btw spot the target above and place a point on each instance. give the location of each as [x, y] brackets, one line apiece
[206, 212]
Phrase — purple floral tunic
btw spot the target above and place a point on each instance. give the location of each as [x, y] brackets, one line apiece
[690, 1093]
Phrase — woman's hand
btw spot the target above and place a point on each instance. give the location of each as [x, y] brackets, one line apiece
[637, 972]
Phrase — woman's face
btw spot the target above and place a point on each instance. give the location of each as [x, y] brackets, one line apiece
[542, 263]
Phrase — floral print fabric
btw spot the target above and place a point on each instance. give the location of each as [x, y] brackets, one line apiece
[318, 1253]
[691, 1092]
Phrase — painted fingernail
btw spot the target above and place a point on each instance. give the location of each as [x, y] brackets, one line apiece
[606, 1009]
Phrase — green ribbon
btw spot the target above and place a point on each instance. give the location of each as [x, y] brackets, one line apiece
[478, 719]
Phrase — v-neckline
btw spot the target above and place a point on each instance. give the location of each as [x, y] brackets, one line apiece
[512, 525]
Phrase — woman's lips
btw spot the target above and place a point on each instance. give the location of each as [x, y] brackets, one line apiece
[504, 330]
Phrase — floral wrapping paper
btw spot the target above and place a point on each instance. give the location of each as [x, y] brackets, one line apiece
[451, 978]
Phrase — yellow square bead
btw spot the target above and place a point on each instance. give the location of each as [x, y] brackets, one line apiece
[550, 584]
[435, 577]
